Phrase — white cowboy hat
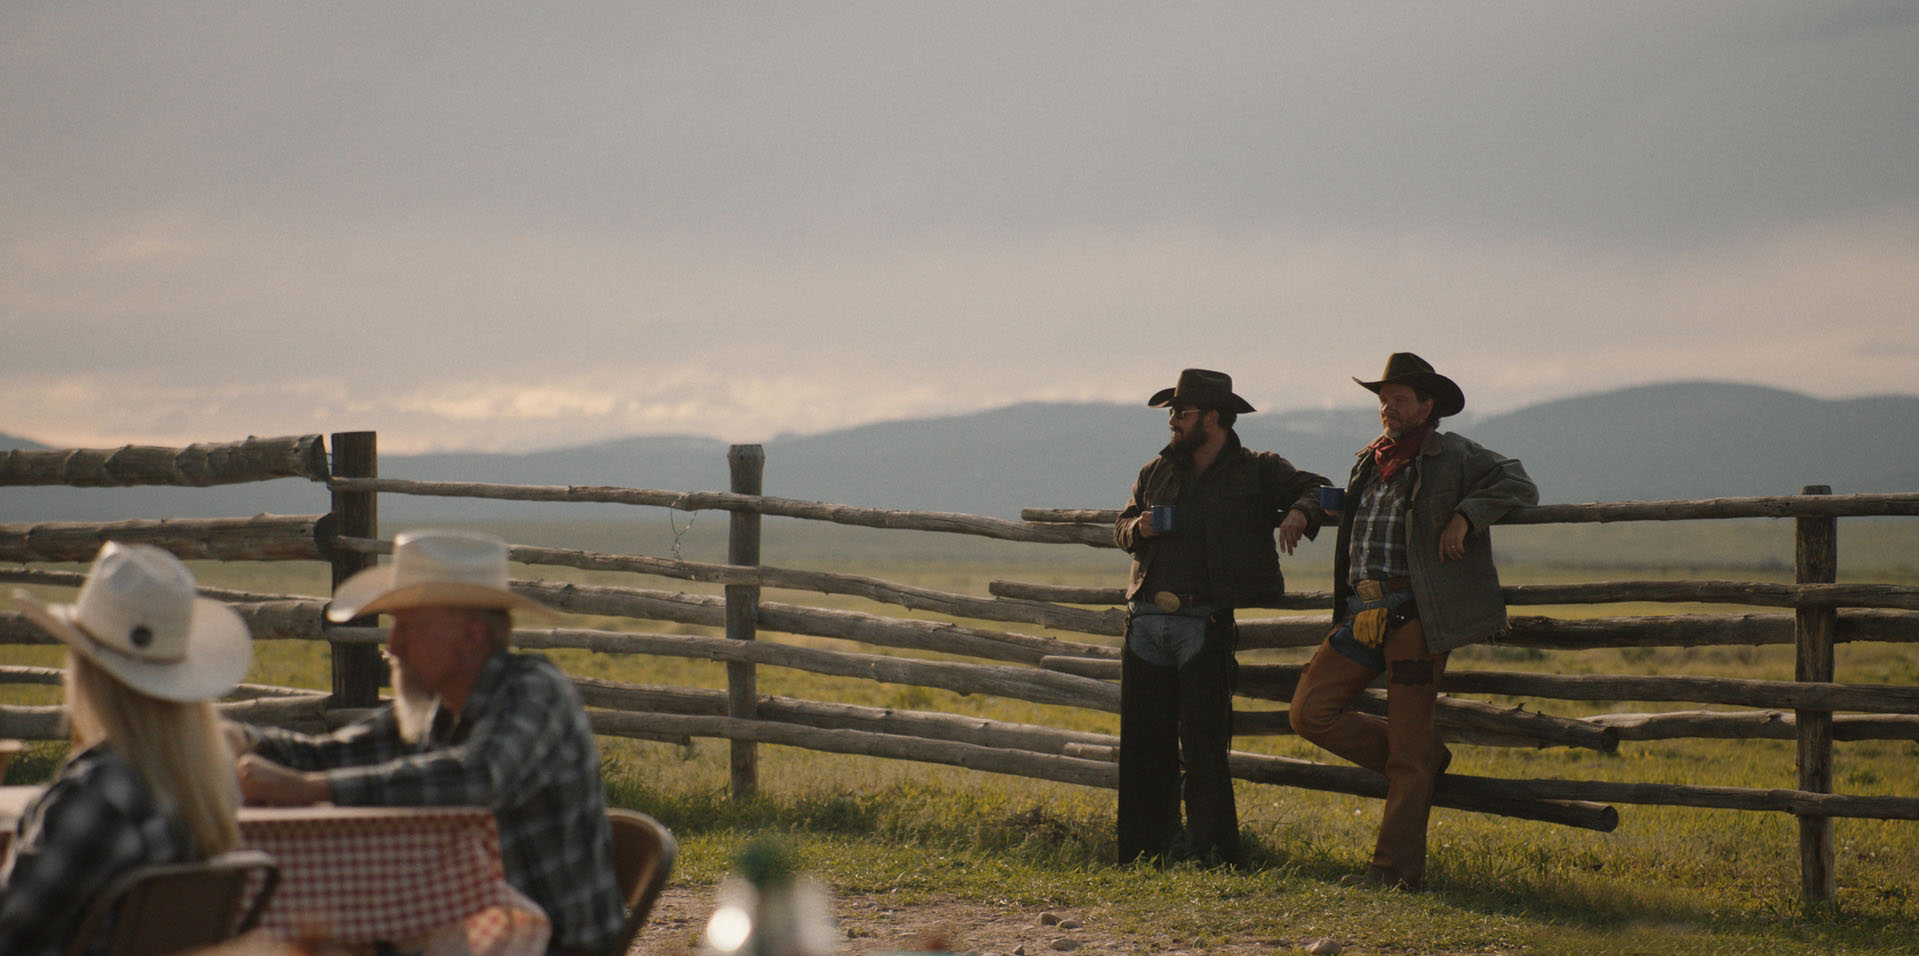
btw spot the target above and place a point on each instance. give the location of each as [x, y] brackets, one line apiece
[433, 569]
[140, 620]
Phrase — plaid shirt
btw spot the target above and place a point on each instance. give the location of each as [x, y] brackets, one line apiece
[1379, 530]
[95, 821]
[522, 746]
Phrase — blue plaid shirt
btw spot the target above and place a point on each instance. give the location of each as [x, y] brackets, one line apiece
[522, 746]
[95, 821]
[1379, 530]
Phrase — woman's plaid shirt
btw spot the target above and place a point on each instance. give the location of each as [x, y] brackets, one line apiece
[95, 821]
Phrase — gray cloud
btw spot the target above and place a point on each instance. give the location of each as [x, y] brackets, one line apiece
[656, 217]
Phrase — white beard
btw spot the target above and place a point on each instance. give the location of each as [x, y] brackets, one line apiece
[413, 705]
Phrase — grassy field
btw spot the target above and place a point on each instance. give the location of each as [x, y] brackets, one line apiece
[1666, 881]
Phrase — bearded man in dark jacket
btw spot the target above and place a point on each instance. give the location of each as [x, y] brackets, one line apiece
[1200, 527]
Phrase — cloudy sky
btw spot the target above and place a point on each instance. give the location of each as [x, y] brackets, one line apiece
[479, 228]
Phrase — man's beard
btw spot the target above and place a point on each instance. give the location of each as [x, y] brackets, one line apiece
[1189, 441]
[413, 705]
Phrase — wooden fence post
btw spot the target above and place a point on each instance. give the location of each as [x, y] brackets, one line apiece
[1816, 556]
[357, 670]
[747, 465]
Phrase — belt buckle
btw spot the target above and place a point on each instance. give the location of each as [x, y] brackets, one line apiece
[1166, 601]
[1369, 591]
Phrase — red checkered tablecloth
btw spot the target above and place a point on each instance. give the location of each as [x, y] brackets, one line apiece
[430, 875]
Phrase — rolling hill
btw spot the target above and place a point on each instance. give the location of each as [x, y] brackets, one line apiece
[1677, 440]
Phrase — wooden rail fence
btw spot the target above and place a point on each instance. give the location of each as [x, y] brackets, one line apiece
[1814, 708]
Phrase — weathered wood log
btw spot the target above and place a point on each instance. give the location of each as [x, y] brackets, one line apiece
[1105, 516]
[259, 538]
[26, 674]
[287, 619]
[32, 722]
[291, 619]
[1903, 597]
[1719, 592]
[1797, 802]
[1700, 630]
[16, 628]
[1479, 794]
[1754, 725]
[747, 465]
[873, 589]
[73, 579]
[1889, 626]
[1870, 698]
[1816, 563]
[1781, 506]
[1461, 719]
[1265, 633]
[1268, 723]
[651, 698]
[1066, 594]
[982, 731]
[709, 611]
[1019, 683]
[1276, 682]
[1055, 593]
[197, 466]
[1091, 773]
[305, 713]
[938, 521]
[349, 634]
[1079, 770]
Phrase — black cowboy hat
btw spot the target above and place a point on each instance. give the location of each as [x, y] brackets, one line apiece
[1405, 368]
[1201, 388]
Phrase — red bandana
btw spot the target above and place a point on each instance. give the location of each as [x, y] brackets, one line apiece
[1392, 454]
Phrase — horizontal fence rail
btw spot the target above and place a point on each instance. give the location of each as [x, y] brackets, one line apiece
[196, 466]
[260, 538]
[941, 521]
[1775, 506]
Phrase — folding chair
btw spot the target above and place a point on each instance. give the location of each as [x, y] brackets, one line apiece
[168, 907]
[643, 853]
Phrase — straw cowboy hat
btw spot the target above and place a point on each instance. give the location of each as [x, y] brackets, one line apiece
[1405, 368]
[1201, 388]
[430, 568]
[139, 619]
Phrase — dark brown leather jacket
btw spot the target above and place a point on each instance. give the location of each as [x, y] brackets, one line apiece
[1246, 494]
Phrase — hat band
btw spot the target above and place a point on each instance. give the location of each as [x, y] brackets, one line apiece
[102, 644]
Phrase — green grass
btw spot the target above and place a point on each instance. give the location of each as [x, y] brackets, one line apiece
[1668, 880]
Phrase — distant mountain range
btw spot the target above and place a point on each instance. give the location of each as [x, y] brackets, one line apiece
[1679, 440]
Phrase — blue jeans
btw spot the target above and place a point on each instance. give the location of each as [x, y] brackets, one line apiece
[1168, 639]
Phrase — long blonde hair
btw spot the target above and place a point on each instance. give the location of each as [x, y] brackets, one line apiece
[177, 747]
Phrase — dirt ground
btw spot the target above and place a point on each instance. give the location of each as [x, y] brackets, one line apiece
[870, 924]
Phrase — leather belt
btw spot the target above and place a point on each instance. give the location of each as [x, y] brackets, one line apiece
[1170, 601]
[1374, 590]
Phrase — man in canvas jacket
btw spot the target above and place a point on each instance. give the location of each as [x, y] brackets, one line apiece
[1413, 579]
[1219, 506]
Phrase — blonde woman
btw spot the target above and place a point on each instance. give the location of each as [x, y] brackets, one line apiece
[150, 779]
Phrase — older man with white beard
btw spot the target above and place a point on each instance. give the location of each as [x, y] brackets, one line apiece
[473, 724]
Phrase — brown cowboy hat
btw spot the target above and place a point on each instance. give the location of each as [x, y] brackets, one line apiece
[1201, 388]
[1405, 368]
